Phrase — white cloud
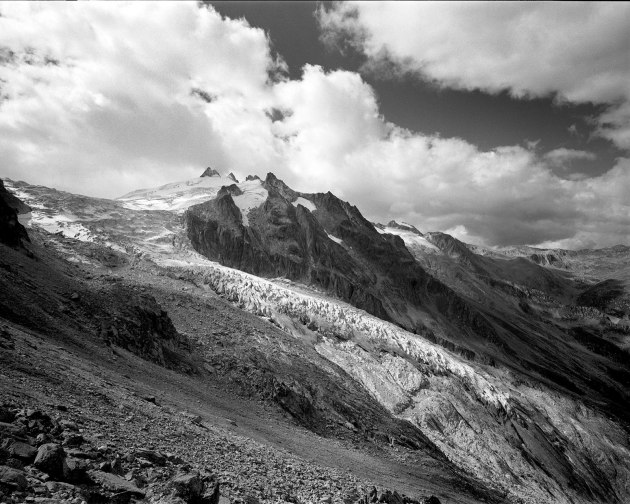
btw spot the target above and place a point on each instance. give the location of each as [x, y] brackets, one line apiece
[578, 51]
[336, 139]
[102, 101]
[116, 106]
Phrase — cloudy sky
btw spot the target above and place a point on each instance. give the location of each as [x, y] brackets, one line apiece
[500, 123]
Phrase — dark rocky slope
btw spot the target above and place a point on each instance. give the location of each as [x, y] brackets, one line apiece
[96, 317]
[12, 233]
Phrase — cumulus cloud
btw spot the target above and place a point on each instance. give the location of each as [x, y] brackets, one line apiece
[99, 98]
[103, 101]
[335, 137]
[578, 51]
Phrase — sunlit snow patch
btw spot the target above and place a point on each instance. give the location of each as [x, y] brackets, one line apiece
[335, 239]
[66, 224]
[409, 237]
[177, 196]
[254, 195]
[309, 205]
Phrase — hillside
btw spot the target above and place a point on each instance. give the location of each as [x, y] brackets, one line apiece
[505, 389]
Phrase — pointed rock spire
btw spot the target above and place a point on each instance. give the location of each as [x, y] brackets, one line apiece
[210, 172]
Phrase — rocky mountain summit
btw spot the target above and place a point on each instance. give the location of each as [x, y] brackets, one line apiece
[321, 240]
[368, 355]
[210, 172]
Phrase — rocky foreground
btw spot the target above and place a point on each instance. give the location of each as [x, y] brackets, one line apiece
[57, 457]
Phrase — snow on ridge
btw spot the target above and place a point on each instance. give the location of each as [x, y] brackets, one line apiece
[309, 205]
[176, 196]
[179, 196]
[335, 239]
[405, 224]
[410, 238]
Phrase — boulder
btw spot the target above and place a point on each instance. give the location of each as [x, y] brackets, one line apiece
[153, 456]
[189, 486]
[50, 459]
[12, 479]
[6, 415]
[74, 470]
[213, 496]
[8, 429]
[116, 484]
[69, 425]
[22, 451]
[72, 439]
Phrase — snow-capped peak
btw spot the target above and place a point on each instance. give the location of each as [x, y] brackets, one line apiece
[404, 226]
[178, 196]
[413, 238]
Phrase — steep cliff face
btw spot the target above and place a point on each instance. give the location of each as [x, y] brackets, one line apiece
[281, 239]
[141, 326]
[12, 233]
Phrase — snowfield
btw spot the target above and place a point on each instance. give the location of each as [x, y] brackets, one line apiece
[254, 195]
[410, 238]
[178, 196]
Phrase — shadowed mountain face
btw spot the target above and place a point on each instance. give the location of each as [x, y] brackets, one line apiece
[12, 233]
[321, 240]
[484, 308]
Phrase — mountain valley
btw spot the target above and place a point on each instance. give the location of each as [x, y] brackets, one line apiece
[291, 331]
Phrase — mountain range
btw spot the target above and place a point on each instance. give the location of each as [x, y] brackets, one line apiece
[473, 374]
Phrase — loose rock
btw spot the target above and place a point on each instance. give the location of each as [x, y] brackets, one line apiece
[50, 459]
[22, 451]
[12, 479]
[114, 483]
[189, 487]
